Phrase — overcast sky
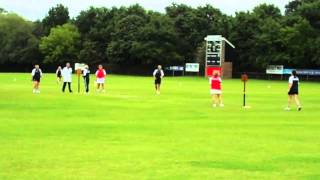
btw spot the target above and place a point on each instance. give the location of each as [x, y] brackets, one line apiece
[37, 9]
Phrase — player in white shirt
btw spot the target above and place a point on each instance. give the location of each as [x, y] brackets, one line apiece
[36, 76]
[67, 77]
[86, 78]
[293, 91]
[158, 74]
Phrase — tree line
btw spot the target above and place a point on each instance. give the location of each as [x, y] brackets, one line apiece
[133, 36]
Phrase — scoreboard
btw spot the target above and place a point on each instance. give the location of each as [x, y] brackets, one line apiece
[215, 53]
[213, 60]
[214, 50]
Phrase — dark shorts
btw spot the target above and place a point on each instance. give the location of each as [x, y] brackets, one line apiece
[157, 81]
[293, 92]
[36, 79]
[59, 74]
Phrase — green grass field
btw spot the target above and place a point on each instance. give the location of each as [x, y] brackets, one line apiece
[130, 133]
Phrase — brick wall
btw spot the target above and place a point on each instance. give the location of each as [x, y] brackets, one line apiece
[227, 70]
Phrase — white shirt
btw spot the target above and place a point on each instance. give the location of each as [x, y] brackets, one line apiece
[155, 72]
[67, 74]
[34, 71]
[85, 71]
[292, 78]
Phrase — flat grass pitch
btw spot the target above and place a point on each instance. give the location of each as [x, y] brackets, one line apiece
[131, 133]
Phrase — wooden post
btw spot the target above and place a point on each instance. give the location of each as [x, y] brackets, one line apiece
[244, 79]
[79, 74]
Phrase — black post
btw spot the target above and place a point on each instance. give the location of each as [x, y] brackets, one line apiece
[244, 94]
[78, 83]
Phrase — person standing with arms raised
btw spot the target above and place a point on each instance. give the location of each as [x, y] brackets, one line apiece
[100, 75]
[67, 77]
[158, 74]
[216, 89]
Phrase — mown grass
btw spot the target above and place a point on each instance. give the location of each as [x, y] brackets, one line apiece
[131, 133]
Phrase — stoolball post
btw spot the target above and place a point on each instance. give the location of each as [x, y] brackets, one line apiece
[244, 94]
[79, 73]
[244, 79]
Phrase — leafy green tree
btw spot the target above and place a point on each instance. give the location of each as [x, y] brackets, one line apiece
[183, 18]
[265, 11]
[96, 26]
[126, 34]
[157, 42]
[301, 33]
[302, 42]
[18, 44]
[311, 12]
[57, 15]
[244, 31]
[133, 36]
[61, 45]
[269, 45]
[292, 6]
[91, 53]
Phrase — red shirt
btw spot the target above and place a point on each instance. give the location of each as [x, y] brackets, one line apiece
[101, 73]
[215, 83]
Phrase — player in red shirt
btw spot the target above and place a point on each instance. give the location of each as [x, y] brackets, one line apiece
[100, 74]
[216, 90]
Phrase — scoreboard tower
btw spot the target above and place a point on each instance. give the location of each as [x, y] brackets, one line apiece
[215, 53]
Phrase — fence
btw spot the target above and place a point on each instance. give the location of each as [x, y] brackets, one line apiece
[264, 76]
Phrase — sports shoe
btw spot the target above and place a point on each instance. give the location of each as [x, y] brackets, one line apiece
[214, 105]
[221, 105]
[299, 108]
[287, 109]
